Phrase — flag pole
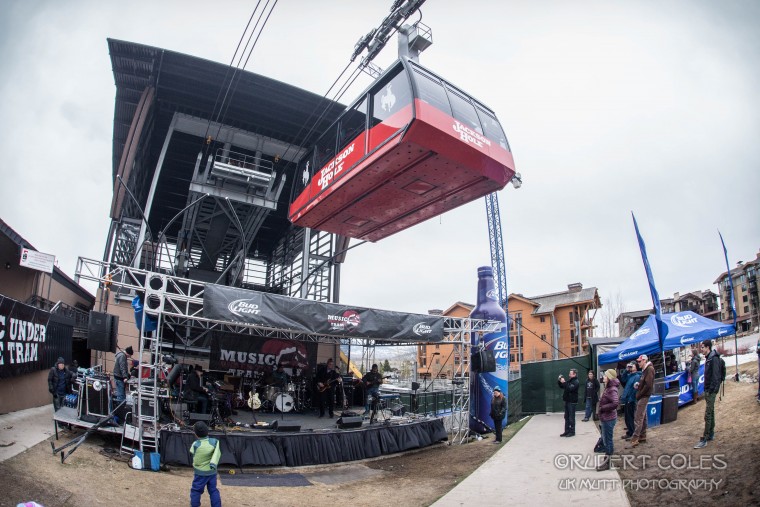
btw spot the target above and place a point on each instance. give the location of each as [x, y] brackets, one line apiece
[732, 303]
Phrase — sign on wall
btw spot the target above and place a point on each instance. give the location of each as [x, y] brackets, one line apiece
[30, 339]
[37, 260]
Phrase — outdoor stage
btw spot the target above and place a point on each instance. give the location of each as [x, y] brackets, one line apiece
[292, 439]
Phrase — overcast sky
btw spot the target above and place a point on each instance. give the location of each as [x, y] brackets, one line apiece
[609, 107]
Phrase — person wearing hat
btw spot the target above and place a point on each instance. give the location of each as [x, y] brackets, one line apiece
[629, 378]
[371, 380]
[608, 405]
[195, 391]
[206, 453]
[121, 372]
[59, 383]
[498, 412]
[644, 388]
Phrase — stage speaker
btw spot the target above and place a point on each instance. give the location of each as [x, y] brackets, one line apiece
[279, 427]
[102, 331]
[415, 386]
[195, 417]
[350, 422]
[483, 360]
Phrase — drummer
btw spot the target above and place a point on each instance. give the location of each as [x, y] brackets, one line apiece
[280, 378]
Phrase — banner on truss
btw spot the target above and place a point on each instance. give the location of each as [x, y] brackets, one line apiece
[274, 311]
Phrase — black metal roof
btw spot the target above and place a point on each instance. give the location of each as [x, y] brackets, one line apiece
[191, 85]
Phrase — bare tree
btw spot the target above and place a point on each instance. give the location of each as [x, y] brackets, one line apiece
[611, 309]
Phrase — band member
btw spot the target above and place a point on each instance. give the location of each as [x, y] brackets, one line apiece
[280, 378]
[326, 381]
[371, 380]
[194, 390]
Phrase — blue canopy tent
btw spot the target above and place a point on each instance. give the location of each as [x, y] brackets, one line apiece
[643, 341]
[681, 329]
[685, 328]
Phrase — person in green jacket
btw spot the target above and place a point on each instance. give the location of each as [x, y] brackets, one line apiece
[206, 454]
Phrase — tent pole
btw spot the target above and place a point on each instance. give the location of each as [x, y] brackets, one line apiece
[736, 356]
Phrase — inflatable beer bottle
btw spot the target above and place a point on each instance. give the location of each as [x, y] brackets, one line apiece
[496, 344]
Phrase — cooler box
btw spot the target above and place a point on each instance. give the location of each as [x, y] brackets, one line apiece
[654, 410]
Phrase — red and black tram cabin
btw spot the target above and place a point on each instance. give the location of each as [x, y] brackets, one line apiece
[410, 148]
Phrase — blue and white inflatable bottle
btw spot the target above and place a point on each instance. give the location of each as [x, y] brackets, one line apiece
[482, 383]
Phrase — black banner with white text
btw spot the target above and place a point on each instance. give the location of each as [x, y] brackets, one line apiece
[281, 312]
[30, 339]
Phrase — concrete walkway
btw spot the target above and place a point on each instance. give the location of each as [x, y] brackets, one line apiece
[538, 467]
[24, 429]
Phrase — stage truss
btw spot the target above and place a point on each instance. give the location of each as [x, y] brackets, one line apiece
[177, 303]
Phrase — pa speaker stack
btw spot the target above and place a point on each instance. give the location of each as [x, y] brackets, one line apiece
[102, 331]
[483, 360]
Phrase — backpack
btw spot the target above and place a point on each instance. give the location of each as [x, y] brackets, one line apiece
[722, 369]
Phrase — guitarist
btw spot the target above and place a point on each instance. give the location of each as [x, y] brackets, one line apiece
[372, 380]
[326, 380]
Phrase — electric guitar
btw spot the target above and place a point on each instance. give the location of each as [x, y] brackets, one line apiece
[370, 384]
[326, 386]
[254, 403]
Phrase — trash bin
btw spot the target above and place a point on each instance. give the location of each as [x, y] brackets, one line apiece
[670, 407]
[654, 410]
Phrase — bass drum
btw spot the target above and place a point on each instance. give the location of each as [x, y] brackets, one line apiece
[284, 403]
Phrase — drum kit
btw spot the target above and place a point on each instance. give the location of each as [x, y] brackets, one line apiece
[293, 397]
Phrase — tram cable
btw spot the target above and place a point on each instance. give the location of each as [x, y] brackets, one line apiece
[225, 94]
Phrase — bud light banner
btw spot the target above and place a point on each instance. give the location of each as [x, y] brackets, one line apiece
[685, 388]
[273, 311]
[240, 355]
[31, 339]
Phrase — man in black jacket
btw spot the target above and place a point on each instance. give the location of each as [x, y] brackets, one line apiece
[570, 397]
[59, 383]
[591, 395]
[712, 386]
[498, 412]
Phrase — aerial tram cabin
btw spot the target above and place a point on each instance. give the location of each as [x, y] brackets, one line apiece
[410, 148]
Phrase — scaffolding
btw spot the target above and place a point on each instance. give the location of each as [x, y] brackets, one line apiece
[176, 304]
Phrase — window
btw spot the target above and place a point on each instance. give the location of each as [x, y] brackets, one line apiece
[746, 309]
[492, 129]
[511, 358]
[543, 337]
[430, 90]
[543, 356]
[388, 104]
[744, 299]
[571, 316]
[437, 346]
[352, 125]
[326, 148]
[542, 319]
[464, 111]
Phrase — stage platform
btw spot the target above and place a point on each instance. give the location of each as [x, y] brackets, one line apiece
[290, 438]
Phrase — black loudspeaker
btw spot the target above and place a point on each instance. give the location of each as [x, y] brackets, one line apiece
[350, 422]
[195, 417]
[102, 330]
[284, 427]
[483, 360]
[415, 386]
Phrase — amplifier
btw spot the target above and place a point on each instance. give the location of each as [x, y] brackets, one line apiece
[97, 397]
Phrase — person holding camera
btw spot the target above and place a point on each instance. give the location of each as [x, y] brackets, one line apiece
[570, 397]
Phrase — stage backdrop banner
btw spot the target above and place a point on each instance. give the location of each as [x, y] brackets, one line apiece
[30, 339]
[240, 354]
[281, 312]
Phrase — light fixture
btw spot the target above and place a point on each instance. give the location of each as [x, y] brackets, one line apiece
[7, 265]
[516, 180]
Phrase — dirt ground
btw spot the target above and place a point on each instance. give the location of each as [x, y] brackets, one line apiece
[728, 468]
[95, 475]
